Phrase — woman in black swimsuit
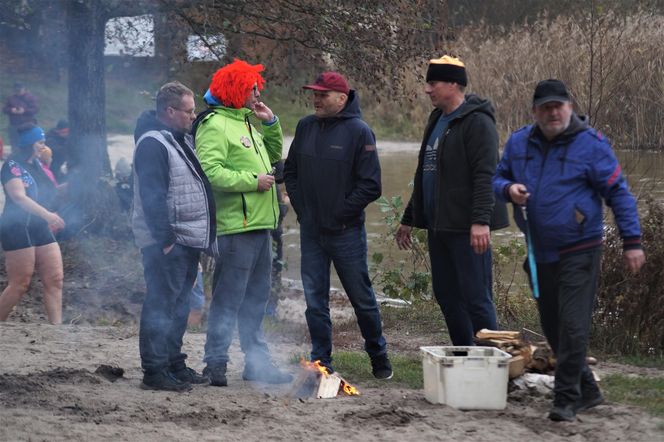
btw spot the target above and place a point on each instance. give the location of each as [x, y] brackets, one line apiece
[27, 227]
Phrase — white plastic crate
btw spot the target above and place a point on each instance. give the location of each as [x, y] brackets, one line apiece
[467, 378]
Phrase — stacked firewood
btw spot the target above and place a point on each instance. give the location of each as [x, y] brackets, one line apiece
[527, 355]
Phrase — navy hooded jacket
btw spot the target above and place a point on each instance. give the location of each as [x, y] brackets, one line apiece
[332, 171]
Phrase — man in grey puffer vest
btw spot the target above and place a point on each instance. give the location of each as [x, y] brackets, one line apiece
[173, 220]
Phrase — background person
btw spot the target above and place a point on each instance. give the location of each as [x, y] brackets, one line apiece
[332, 173]
[561, 169]
[58, 140]
[27, 227]
[21, 109]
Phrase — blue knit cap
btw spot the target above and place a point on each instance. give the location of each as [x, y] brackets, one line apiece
[30, 136]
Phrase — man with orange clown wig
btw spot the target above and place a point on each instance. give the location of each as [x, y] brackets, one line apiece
[237, 158]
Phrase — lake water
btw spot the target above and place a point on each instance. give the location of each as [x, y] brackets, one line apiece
[645, 172]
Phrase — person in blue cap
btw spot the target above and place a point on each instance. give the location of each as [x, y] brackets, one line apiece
[28, 225]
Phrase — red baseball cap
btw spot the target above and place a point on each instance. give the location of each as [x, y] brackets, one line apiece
[329, 81]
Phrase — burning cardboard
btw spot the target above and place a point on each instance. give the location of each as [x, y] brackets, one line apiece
[316, 380]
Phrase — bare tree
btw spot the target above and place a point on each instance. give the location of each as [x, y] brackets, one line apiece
[371, 41]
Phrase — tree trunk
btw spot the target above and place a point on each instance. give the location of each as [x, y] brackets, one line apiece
[91, 198]
[87, 97]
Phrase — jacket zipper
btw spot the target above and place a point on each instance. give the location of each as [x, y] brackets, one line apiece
[253, 142]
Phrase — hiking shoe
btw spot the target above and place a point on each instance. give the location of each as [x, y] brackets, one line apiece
[560, 413]
[164, 381]
[589, 399]
[381, 367]
[216, 374]
[189, 375]
[268, 374]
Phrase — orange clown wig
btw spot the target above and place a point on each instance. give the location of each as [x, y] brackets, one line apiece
[232, 83]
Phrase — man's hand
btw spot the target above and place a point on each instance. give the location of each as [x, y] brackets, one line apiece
[166, 250]
[263, 112]
[518, 194]
[404, 241]
[265, 182]
[480, 238]
[634, 259]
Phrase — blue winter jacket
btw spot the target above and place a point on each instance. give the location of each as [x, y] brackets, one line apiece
[567, 179]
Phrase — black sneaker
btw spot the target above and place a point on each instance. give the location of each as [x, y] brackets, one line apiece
[165, 381]
[589, 399]
[381, 367]
[216, 374]
[268, 374]
[189, 375]
[564, 413]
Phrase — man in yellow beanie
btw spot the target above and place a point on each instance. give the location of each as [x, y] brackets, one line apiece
[453, 199]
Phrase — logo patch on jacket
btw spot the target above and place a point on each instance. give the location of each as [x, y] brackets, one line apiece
[369, 147]
[336, 146]
[246, 142]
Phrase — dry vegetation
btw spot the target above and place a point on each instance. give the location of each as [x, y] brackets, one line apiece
[613, 65]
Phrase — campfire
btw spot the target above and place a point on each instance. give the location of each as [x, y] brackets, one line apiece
[316, 380]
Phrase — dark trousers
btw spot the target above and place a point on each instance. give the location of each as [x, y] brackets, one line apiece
[169, 280]
[567, 295]
[462, 285]
[348, 251]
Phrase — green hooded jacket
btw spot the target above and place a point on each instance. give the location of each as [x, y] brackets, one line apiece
[233, 153]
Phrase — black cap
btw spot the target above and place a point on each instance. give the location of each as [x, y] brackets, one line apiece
[550, 90]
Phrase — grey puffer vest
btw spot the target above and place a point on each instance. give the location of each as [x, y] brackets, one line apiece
[188, 211]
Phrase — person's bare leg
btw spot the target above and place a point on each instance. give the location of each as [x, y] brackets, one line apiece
[20, 265]
[49, 267]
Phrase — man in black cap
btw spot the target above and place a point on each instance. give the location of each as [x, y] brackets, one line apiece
[21, 108]
[452, 198]
[556, 172]
[332, 173]
[58, 140]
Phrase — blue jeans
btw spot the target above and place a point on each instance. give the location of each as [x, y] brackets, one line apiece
[169, 279]
[197, 297]
[462, 285]
[348, 251]
[241, 288]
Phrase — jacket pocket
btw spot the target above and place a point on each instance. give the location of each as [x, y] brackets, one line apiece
[580, 218]
[245, 214]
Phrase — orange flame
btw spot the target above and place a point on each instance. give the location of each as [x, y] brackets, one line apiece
[317, 367]
[349, 389]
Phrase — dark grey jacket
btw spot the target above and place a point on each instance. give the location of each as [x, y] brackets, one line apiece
[467, 159]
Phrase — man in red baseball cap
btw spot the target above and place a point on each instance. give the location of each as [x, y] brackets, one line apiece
[332, 173]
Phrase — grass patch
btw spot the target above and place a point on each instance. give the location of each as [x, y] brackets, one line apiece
[645, 392]
[356, 368]
[423, 317]
[639, 361]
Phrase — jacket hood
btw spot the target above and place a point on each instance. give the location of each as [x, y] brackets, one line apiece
[350, 110]
[474, 103]
[148, 121]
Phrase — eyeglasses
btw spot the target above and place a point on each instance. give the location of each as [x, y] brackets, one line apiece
[255, 89]
[188, 112]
